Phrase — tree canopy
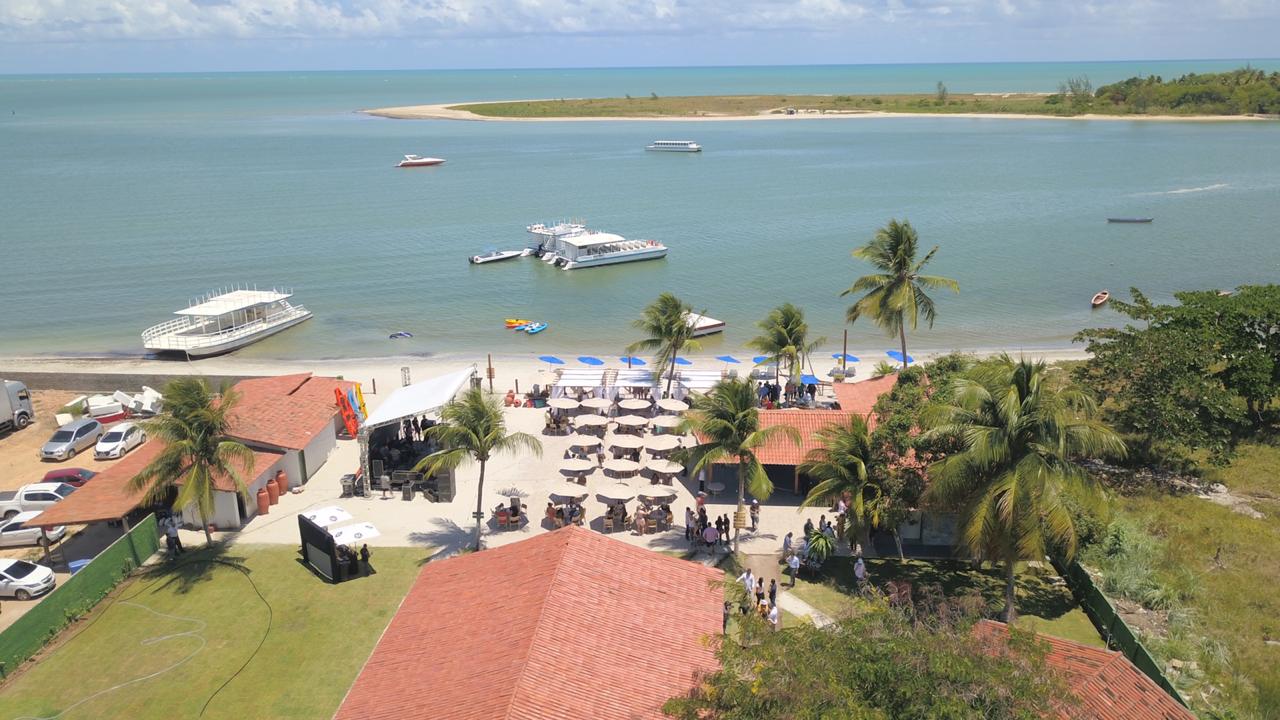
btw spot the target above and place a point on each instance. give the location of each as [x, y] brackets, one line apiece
[1242, 91]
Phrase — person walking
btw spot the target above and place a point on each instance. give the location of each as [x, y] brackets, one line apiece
[759, 590]
[748, 580]
[793, 565]
[755, 515]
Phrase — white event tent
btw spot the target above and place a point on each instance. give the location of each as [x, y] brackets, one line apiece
[416, 400]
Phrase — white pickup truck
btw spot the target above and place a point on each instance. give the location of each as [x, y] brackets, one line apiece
[36, 496]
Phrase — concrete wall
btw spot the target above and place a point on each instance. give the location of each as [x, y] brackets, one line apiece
[90, 382]
[316, 453]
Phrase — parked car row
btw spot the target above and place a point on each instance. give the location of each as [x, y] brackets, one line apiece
[80, 435]
[24, 580]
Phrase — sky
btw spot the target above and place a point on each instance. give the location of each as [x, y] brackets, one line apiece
[52, 36]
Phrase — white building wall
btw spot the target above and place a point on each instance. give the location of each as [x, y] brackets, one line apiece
[226, 511]
[316, 453]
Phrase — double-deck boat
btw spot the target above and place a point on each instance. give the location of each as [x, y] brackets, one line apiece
[225, 320]
[674, 146]
[570, 245]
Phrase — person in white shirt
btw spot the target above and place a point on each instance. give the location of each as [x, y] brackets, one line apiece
[773, 617]
[794, 564]
[860, 571]
[748, 581]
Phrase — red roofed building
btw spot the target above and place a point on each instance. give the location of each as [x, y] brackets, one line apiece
[861, 397]
[571, 625]
[1108, 686]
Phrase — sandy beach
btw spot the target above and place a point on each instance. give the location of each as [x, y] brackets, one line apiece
[445, 111]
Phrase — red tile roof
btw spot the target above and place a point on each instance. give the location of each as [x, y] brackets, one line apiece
[568, 625]
[1108, 685]
[287, 411]
[860, 397]
[782, 450]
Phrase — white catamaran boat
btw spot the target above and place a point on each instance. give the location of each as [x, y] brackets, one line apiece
[225, 320]
[570, 245]
[674, 146]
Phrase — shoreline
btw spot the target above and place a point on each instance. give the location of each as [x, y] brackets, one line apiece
[444, 111]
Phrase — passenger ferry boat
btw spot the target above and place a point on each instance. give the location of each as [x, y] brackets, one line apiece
[570, 245]
[674, 146]
[225, 320]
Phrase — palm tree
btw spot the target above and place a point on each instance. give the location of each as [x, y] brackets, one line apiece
[1023, 434]
[665, 322]
[473, 428]
[895, 296]
[727, 425]
[839, 465]
[784, 339]
[196, 448]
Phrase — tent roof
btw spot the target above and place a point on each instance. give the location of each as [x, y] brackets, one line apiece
[419, 398]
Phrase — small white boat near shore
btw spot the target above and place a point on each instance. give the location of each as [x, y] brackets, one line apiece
[225, 320]
[496, 256]
[419, 161]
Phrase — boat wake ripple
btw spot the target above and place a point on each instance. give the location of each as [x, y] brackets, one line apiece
[1185, 191]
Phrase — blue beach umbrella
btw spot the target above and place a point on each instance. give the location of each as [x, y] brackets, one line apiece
[631, 360]
[898, 356]
[728, 359]
[551, 359]
[588, 360]
[683, 361]
[759, 359]
[809, 379]
[846, 356]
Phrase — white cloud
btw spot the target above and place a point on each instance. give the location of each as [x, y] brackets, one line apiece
[88, 20]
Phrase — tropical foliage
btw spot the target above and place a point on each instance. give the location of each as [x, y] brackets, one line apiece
[840, 466]
[895, 296]
[877, 664]
[195, 449]
[784, 339]
[1242, 91]
[665, 323]
[1023, 433]
[473, 428]
[727, 424]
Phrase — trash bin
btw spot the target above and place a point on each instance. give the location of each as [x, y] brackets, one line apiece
[406, 491]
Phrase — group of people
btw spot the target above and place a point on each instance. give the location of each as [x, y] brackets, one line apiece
[758, 598]
[771, 393]
[357, 563]
[660, 513]
[571, 513]
[415, 429]
[699, 528]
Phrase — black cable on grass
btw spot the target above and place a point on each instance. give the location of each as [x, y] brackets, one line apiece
[261, 641]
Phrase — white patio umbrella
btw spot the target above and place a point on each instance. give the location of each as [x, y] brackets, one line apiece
[597, 403]
[662, 443]
[326, 516]
[568, 491]
[622, 467]
[351, 534]
[617, 492]
[634, 421]
[563, 403]
[626, 442]
[665, 467]
[658, 498]
[634, 404]
[577, 466]
[590, 420]
[584, 442]
[667, 422]
[673, 405]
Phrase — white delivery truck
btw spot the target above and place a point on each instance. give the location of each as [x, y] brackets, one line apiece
[16, 411]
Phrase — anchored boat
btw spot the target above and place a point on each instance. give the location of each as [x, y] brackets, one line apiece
[1099, 299]
[1130, 220]
[225, 320]
[419, 161]
[495, 256]
[570, 245]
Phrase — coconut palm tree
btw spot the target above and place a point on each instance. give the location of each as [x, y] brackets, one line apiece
[839, 465]
[665, 322]
[727, 425]
[1023, 434]
[473, 428]
[895, 296]
[784, 340]
[196, 449]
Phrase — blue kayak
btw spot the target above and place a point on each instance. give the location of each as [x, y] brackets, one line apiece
[536, 328]
[399, 335]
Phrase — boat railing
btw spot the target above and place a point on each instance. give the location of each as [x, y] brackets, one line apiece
[166, 334]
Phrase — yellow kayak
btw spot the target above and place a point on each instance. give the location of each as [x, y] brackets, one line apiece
[512, 322]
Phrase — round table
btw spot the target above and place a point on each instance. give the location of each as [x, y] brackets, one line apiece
[715, 487]
[563, 403]
[673, 405]
[635, 404]
[596, 403]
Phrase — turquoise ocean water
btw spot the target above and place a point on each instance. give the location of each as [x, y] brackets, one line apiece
[122, 196]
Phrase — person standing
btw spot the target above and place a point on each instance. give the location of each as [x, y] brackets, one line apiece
[690, 523]
[364, 559]
[786, 545]
[748, 580]
[773, 592]
[793, 564]
[171, 537]
[759, 590]
[860, 571]
[417, 430]
[755, 514]
[724, 624]
[808, 527]
[773, 617]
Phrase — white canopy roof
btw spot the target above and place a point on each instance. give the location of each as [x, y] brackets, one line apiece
[419, 398]
[591, 238]
[233, 301]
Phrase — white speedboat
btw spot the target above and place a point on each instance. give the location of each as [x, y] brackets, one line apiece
[495, 256]
[225, 320]
[703, 325]
[674, 146]
[571, 246]
[419, 161]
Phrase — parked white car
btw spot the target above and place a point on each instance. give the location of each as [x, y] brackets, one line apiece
[118, 441]
[24, 580]
[17, 532]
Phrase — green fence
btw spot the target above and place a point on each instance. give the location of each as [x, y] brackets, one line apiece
[1113, 628]
[78, 594]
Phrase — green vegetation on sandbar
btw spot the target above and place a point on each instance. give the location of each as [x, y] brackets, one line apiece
[1239, 92]
[292, 654]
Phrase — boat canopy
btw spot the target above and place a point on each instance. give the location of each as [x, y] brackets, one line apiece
[234, 301]
[592, 238]
[419, 398]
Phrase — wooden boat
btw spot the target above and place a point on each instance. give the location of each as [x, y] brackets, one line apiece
[1130, 220]
[1100, 299]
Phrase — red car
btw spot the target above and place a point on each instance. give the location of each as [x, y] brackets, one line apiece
[71, 476]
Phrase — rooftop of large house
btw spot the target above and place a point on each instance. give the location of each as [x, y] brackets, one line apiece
[1108, 686]
[569, 624]
[861, 397]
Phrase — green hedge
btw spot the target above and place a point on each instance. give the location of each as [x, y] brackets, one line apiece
[78, 594]
[1113, 628]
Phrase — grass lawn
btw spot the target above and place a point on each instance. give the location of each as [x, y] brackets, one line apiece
[319, 636]
[1043, 606]
[1235, 604]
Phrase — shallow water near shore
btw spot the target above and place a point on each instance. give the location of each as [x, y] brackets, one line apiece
[126, 195]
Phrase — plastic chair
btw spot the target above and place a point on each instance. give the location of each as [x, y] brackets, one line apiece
[651, 525]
